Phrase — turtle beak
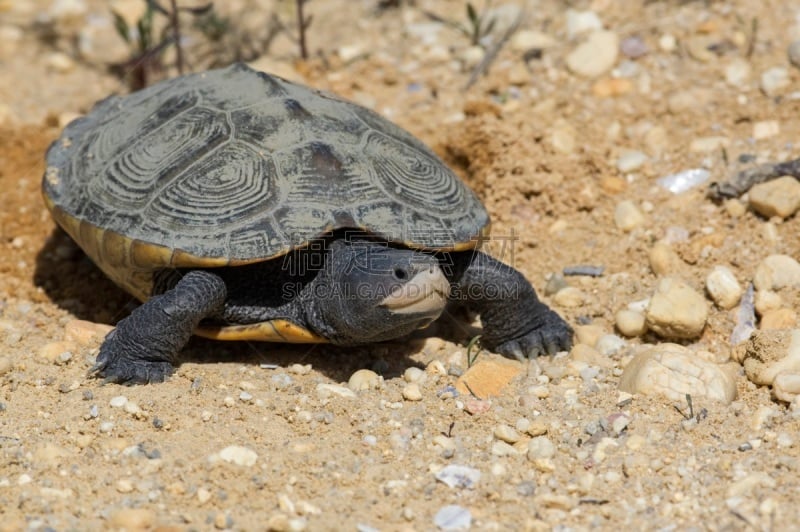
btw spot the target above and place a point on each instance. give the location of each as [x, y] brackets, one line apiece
[425, 293]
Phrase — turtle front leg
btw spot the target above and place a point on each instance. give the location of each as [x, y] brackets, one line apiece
[144, 346]
[514, 321]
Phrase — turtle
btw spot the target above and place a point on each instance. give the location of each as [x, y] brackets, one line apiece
[237, 205]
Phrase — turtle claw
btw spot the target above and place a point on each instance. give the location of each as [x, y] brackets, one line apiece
[549, 338]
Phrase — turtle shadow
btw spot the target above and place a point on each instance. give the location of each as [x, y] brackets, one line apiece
[72, 282]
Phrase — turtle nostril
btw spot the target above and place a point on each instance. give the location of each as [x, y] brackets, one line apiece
[400, 274]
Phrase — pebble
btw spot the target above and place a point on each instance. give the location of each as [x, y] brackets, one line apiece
[488, 378]
[685, 180]
[676, 310]
[596, 56]
[471, 56]
[627, 216]
[738, 72]
[132, 519]
[60, 62]
[610, 344]
[630, 160]
[325, 390]
[767, 300]
[774, 81]
[562, 137]
[768, 353]
[630, 322]
[411, 392]
[672, 371]
[778, 197]
[501, 448]
[525, 40]
[235, 454]
[364, 379]
[453, 517]
[794, 53]
[5, 365]
[579, 22]
[776, 272]
[766, 129]
[569, 297]
[668, 43]
[53, 352]
[664, 260]
[414, 374]
[611, 87]
[723, 287]
[459, 476]
[588, 334]
[118, 401]
[541, 447]
[633, 47]
[506, 433]
[689, 100]
[708, 144]
[786, 386]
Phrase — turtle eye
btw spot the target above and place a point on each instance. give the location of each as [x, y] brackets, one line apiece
[400, 274]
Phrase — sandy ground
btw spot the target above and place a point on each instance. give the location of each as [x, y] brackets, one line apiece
[540, 145]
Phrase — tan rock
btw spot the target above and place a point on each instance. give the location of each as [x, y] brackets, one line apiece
[676, 310]
[84, 332]
[768, 353]
[779, 197]
[664, 260]
[133, 519]
[782, 318]
[487, 378]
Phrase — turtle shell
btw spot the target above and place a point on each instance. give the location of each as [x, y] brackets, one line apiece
[235, 166]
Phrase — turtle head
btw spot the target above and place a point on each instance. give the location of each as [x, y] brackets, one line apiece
[376, 293]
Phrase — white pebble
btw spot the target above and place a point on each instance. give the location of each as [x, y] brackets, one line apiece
[610, 345]
[325, 390]
[581, 22]
[786, 385]
[627, 216]
[569, 297]
[723, 287]
[414, 374]
[118, 401]
[453, 517]
[766, 129]
[630, 160]
[596, 56]
[525, 40]
[506, 433]
[238, 455]
[738, 72]
[774, 81]
[501, 448]
[458, 476]
[364, 379]
[540, 447]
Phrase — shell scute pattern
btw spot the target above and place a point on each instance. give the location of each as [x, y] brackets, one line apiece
[239, 165]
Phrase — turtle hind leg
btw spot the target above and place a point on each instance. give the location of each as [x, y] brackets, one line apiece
[145, 345]
[514, 321]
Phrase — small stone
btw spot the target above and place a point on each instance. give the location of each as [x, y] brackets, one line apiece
[766, 301]
[668, 43]
[459, 476]
[630, 160]
[414, 374]
[633, 47]
[676, 310]
[132, 519]
[325, 390]
[630, 323]
[738, 72]
[794, 53]
[723, 287]
[776, 272]
[348, 53]
[610, 344]
[203, 495]
[364, 379]
[612, 87]
[476, 407]
[299, 369]
[5, 365]
[627, 216]
[54, 351]
[540, 447]
[106, 427]
[569, 297]
[782, 318]
[596, 56]
[664, 260]
[673, 371]
[525, 40]
[245, 397]
[411, 392]
[579, 22]
[60, 62]
[124, 485]
[471, 56]
[766, 129]
[501, 448]
[768, 353]
[562, 137]
[786, 386]
[589, 334]
[453, 517]
[689, 100]
[238, 455]
[708, 144]
[488, 378]
[222, 521]
[778, 197]
[774, 81]
[118, 401]
[506, 433]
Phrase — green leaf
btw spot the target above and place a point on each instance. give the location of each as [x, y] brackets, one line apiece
[472, 15]
[121, 26]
